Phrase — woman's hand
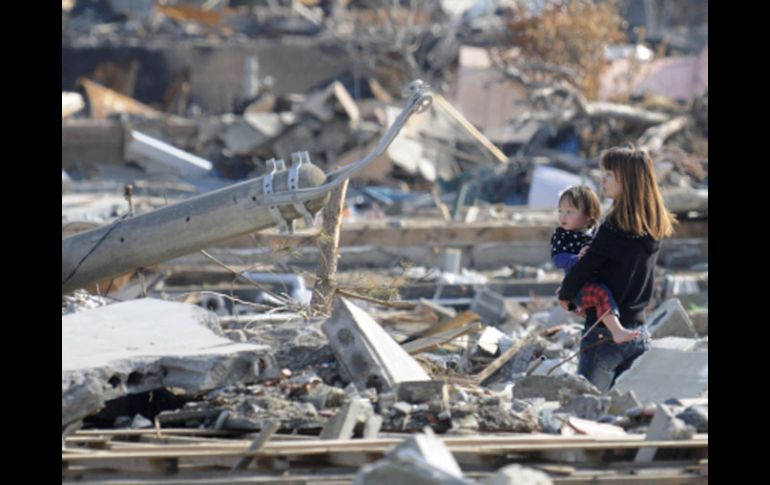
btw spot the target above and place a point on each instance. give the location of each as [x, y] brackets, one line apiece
[583, 252]
[564, 303]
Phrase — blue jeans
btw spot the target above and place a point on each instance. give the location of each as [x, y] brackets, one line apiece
[603, 363]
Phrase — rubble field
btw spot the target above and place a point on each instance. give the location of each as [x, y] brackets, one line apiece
[308, 241]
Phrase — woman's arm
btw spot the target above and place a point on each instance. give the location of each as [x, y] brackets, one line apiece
[596, 256]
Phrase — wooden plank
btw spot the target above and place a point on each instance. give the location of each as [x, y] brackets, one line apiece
[164, 431]
[434, 233]
[464, 318]
[104, 101]
[328, 244]
[428, 343]
[472, 130]
[258, 444]
[660, 475]
[373, 446]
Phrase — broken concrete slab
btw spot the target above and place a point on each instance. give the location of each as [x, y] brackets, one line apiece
[146, 344]
[553, 388]
[587, 407]
[670, 319]
[668, 370]
[518, 475]
[368, 356]
[622, 402]
[419, 459]
[677, 343]
[664, 426]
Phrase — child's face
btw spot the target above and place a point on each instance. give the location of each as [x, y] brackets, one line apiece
[611, 186]
[570, 218]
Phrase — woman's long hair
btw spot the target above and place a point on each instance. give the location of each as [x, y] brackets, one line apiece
[640, 209]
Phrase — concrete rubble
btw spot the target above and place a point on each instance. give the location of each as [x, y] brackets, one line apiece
[672, 368]
[127, 348]
[369, 356]
[441, 321]
[670, 320]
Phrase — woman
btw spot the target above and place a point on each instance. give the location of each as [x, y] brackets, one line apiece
[622, 256]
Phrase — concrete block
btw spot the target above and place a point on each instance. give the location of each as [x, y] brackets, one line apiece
[368, 356]
[670, 320]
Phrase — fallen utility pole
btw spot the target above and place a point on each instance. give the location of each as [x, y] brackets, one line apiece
[182, 228]
[277, 198]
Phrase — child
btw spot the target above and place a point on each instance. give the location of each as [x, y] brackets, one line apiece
[578, 213]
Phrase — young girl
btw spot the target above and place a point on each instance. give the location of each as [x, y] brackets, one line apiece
[622, 255]
[578, 214]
